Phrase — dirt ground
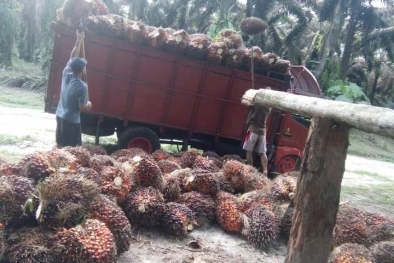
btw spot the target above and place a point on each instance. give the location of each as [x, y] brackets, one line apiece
[23, 131]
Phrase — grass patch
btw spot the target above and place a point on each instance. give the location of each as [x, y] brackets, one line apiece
[20, 98]
[12, 140]
[378, 194]
[371, 174]
[371, 145]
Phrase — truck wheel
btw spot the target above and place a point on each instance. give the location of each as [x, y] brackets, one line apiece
[139, 137]
[288, 164]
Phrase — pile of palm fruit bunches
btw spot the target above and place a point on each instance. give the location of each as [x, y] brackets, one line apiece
[80, 205]
[226, 49]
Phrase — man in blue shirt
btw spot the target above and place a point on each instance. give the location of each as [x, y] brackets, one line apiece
[73, 99]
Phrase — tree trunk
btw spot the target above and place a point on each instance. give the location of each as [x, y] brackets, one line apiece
[347, 53]
[364, 117]
[318, 192]
[374, 86]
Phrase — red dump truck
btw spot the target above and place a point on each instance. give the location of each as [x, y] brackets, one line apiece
[148, 97]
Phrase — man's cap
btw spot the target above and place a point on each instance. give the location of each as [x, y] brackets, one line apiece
[77, 64]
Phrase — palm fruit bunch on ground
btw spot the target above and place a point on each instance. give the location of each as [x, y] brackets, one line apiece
[286, 221]
[15, 193]
[114, 181]
[230, 157]
[147, 173]
[95, 149]
[30, 245]
[255, 198]
[128, 153]
[81, 154]
[172, 189]
[36, 166]
[203, 206]
[381, 228]
[227, 213]
[197, 47]
[63, 161]
[204, 183]
[91, 241]
[261, 227]
[383, 252]
[112, 215]
[9, 169]
[283, 188]
[99, 162]
[243, 177]
[64, 200]
[350, 227]
[204, 163]
[143, 207]
[177, 219]
[351, 253]
[159, 155]
[167, 166]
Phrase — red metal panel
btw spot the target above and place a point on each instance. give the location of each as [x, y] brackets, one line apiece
[180, 110]
[234, 121]
[155, 71]
[208, 115]
[188, 79]
[124, 64]
[240, 86]
[148, 104]
[97, 56]
[217, 85]
[117, 96]
[96, 91]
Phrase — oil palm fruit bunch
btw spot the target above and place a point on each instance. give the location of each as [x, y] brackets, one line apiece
[210, 154]
[15, 193]
[216, 52]
[177, 219]
[99, 8]
[111, 25]
[157, 37]
[281, 66]
[350, 227]
[234, 58]
[253, 26]
[2, 243]
[286, 221]
[107, 211]
[231, 38]
[238, 174]
[198, 46]
[148, 173]
[253, 199]
[135, 32]
[383, 252]
[227, 213]
[256, 181]
[81, 154]
[204, 183]
[36, 166]
[224, 184]
[205, 163]
[167, 166]
[203, 206]
[172, 189]
[129, 153]
[268, 60]
[95, 149]
[63, 161]
[159, 155]
[89, 173]
[144, 206]
[177, 42]
[9, 169]
[187, 159]
[30, 245]
[114, 181]
[261, 227]
[283, 186]
[89, 242]
[381, 228]
[257, 57]
[64, 200]
[99, 162]
[230, 157]
[351, 253]
[180, 176]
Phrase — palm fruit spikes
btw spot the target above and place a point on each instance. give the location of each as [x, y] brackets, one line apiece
[205, 164]
[231, 38]
[230, 157]
[172, 189]
[203, 206]
[227, 213]
[283, 187]
[197, 47]
[64, 200]
[261, 227]
[167, 166]
[30, 245]
[99, 162]
[10, 169]
[210, 154]
[383, 252]
[253, 26]
[351, 253]
[112, 215]
[238, 174]
[143, 207]
[114, 181]
[81, 154]
[36, 166]
[204, 183]
[130, 153]
[88, 242]
[159, 155]
[148, 173]
[177, 219]
[95, 149]
[253, 199]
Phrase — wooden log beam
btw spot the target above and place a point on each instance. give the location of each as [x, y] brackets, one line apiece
[318, 192]
[364, 117]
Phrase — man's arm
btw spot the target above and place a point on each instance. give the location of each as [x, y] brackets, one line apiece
[77, 48]
[83, 102]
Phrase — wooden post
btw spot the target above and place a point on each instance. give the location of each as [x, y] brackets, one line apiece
[318, 192]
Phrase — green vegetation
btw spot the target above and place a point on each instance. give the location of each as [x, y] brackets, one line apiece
[371, 145]
[10, 156]
[375, 194]
[17, 97]
[12, 140]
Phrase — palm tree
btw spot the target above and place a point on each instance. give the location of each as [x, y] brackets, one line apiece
[8, 30]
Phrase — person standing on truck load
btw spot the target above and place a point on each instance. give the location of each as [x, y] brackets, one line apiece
[73, 99]
[256, 122]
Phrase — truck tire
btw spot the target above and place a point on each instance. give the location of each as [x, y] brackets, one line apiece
[287, 164]
[139, 137]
